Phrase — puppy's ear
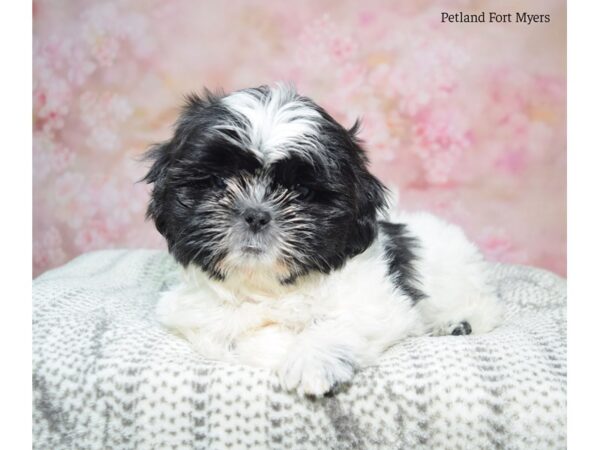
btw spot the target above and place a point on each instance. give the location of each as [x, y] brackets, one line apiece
[163, 155]
[160, 155]
[370, 199]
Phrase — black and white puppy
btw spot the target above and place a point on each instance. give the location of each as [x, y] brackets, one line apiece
[267, 203]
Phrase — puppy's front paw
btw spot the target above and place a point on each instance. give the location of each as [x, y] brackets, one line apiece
[316, 372]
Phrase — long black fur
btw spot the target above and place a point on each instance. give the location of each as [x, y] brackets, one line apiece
[400, 253]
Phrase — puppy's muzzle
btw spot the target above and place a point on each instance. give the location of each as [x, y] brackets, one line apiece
[257, 219]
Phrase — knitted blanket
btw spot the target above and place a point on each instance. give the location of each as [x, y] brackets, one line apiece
[107, 376]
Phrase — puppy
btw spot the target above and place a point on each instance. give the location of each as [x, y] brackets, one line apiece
[268, 205]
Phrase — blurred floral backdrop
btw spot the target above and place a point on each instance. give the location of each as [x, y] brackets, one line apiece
[466, 120]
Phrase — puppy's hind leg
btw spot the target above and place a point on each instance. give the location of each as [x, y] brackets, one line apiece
[454, 278]
[474, 312]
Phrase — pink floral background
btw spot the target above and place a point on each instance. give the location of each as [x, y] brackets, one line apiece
[465, 120]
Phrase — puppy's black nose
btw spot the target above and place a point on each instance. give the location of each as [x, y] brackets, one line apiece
[257, 219]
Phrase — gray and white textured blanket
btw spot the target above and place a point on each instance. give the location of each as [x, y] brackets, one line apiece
[107, 376]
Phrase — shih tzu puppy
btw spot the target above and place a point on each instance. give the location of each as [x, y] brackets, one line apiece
[289, 261]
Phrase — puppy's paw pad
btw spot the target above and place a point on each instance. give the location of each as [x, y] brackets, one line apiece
[461, 329]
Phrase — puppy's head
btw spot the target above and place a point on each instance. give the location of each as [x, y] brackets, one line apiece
[262, 178]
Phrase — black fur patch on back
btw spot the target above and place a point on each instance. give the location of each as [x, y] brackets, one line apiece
[399, 251]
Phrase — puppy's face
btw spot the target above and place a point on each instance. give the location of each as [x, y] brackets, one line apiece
[262, 178]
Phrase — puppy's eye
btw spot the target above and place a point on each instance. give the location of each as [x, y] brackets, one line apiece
[218, 182]
[304, 192]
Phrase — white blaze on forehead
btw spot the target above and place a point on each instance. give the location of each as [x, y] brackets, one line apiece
[250, 191]
[274, 124]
